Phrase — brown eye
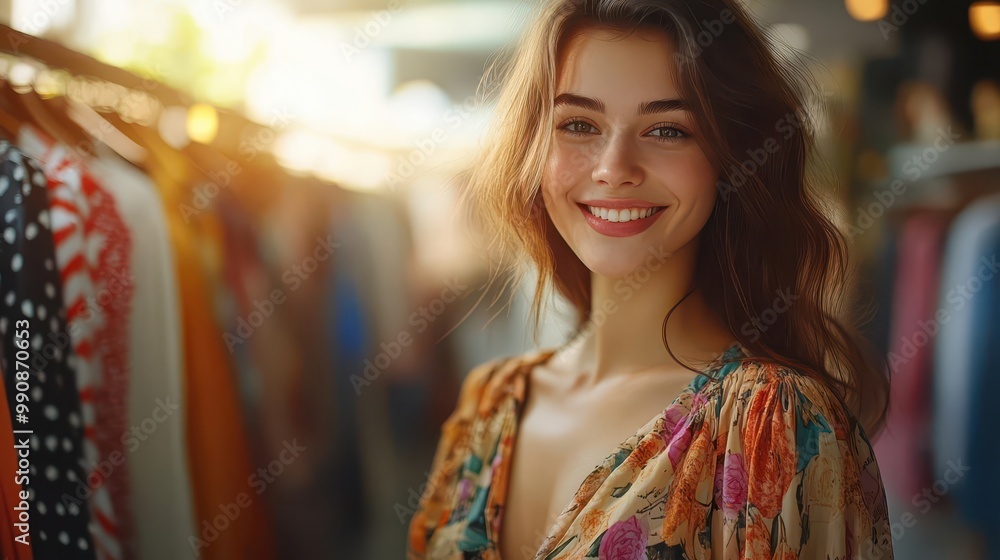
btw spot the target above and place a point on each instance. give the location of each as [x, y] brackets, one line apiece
[578, 128]
[668, 133]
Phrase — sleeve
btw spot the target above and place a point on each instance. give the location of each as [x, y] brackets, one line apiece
[434, 496]
[812, 486]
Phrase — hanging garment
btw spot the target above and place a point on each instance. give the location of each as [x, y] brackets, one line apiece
[882, 268]
[270, 364]
[286, 365]
[11, 499]
[965, 383]
[32, 304]
[92, 245]
[763, 462]
[222, 472]
[904, 447]
[350, 343]
[158, 493]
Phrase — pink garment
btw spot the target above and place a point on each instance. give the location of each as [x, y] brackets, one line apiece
[903, 448]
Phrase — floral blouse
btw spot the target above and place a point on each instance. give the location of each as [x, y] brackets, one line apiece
[762, 462]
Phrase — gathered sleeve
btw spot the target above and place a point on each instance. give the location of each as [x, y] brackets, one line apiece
[432, 508]
[798, 479]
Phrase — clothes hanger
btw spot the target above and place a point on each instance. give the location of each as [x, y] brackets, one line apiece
[163, 162]
[57, 124]
[28, 106]
[12, 104]
[9, 126]
[110, 137]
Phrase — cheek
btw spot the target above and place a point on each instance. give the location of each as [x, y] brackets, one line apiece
[691, 178]
[567, 167]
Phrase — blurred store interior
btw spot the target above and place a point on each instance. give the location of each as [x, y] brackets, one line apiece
[279, 191]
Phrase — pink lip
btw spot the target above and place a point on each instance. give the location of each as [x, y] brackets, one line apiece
[619, 229]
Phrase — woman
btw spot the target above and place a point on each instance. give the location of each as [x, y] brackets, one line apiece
[649, 157]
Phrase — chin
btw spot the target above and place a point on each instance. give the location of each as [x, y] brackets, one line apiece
[613, 264]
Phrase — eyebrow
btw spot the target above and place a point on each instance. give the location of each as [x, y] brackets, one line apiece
[647, 108]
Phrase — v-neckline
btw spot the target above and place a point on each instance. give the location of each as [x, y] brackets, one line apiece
[521, 392]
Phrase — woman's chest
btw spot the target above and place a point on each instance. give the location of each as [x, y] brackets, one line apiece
[558, 443]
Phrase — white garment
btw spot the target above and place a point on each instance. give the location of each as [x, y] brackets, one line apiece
[162, 502]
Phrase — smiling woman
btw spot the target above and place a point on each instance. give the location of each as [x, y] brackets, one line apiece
[621, 129]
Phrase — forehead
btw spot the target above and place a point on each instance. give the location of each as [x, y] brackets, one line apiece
[601, 63]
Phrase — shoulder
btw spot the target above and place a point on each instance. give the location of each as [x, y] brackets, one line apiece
[785, 396]
[463, 435]
[780, 413]
[487, 382]
[804, 458]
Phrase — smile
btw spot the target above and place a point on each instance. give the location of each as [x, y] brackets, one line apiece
[623, 214]
[620, 222]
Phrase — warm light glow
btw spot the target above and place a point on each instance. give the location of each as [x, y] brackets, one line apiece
[21, 75]
[173, 126]
[38, 17]
[202, 123]
[984, 18]
[51, 83]
[867, 10]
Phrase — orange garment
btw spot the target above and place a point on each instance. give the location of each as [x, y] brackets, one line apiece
[10, 489]
[230, 515]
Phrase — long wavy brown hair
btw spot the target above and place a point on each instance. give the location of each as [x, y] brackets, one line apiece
[771, 230]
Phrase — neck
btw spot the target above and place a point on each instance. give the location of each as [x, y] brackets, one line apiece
[624, 335]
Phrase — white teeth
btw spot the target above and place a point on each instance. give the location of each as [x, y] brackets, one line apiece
[623, 215]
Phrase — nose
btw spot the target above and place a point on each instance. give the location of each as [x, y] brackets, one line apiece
[615, 163]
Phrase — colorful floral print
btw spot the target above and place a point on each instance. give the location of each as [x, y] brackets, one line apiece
[753, 460]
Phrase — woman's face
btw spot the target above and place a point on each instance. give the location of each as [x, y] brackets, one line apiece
[624, 147]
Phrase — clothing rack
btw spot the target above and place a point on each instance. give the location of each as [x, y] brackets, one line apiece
[295, 372]
[233, 127]
[55, 55]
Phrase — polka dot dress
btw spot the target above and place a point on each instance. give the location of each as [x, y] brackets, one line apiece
[31, 290]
